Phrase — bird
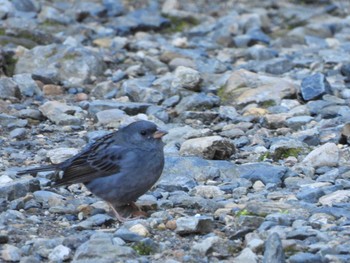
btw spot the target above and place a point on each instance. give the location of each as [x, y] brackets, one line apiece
[118, 167]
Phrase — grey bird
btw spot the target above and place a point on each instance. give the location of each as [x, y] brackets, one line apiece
[118, 167]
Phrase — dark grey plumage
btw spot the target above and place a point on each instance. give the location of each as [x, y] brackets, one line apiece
[118, 167]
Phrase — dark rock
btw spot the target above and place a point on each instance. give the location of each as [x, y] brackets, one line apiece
[314, 86]
[304, 257]
[18, 188]
[127, 235]
[273, 250]
[266, 173]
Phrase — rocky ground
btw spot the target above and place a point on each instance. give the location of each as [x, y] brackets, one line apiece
[255, 96]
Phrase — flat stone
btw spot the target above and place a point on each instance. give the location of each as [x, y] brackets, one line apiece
[324, 155]
[61, 113]
[340, 196]
[211, 147]
[18, 188]
[59, 155]
[313, 87]
[194, 225]
[10, 253]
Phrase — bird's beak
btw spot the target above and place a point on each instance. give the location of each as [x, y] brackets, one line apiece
[159, 134]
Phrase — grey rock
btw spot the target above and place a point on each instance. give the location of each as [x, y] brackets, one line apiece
[278, 66]
[186, 78]
[310, 194]
[27, 85]
[273, 250]
[10, 253]
[261, 53]
[304, 257]
[95, 220]
[90, 251]
[26, 5]
[194, 225]
[18, 133]
[247, 256]
[104, 90]
[127, 235]
[9, 88]
[199, 101]
[177, 177]
[113, 7]
[61, 63]
[6, 7]
[34, 114]
[172, 101]
[60, 253]
[110, 118]
[18, 188]
[297, 122]
[48, 199]
[324, 155]
[314, 87]
[130, 108]
[158, 112]
[61, 113]
[266, 173]
[211, 147]
[228, 112]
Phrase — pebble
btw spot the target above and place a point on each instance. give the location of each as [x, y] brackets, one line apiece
[256, 158]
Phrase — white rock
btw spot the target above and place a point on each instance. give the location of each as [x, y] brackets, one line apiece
[246, 256]
[10, 253]
[207, 191]
[187, 78]
[140, 230]
[325, 155]
[340, 196]
[210, 147]
[61, 154]
[4, 179]
[60, 253]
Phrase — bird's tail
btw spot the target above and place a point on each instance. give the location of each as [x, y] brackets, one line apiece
[37, 170]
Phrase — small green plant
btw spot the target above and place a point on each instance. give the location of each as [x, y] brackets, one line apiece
[142, 249]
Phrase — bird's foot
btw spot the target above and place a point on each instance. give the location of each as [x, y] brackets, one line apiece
[128, 212]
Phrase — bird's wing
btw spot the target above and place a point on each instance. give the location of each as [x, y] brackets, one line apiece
[102, 158]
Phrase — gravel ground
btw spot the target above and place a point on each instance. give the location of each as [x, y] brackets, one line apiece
[255, 96]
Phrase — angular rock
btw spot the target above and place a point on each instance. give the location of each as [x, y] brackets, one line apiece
[273, 250]
[266, 173]
[60, 253]
[313, 87]
[27, 85]
[18, 188]
[9, 88]
[340, 196]
[59, 155]
[61, 113]
[244, 87]
[10, 253]
[186, 78]
[325, 155]
[95, 220]
[211, 147]
[246, 256]
[130, 108]
[194, 225]
[77, 64]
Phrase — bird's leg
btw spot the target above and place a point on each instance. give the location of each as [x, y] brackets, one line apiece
[137, 213]
[117, 215]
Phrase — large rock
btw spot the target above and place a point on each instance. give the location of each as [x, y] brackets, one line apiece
[244, 87]
[187, 78]
[73, 65]
[325, 155]
[61, 113]
[194, 224]
[210, 147]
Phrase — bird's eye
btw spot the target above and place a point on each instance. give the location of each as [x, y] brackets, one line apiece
[143, 133]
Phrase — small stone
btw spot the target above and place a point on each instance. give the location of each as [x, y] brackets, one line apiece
[60, 254]
[10, 253]
[51, 90]
[313, 87]
[273, 250]
[59, 155]
[48, 198]
[95, 220]
[193, 225]
[305, 258]
[246, 256]
[81, 96]
[128, 235]
[207, 191]
[204, 246]
[18, 133]
[140, 230]
[27, 85]
[61, 113]
[187, 78]
[211, 147]
[171, 224]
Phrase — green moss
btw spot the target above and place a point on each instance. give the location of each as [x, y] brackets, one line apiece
[264, 156]
[142, 249]
[70, 56]
[2, 31]
[283, 153]
[268, 103]
[9, 65]
[179, 25]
